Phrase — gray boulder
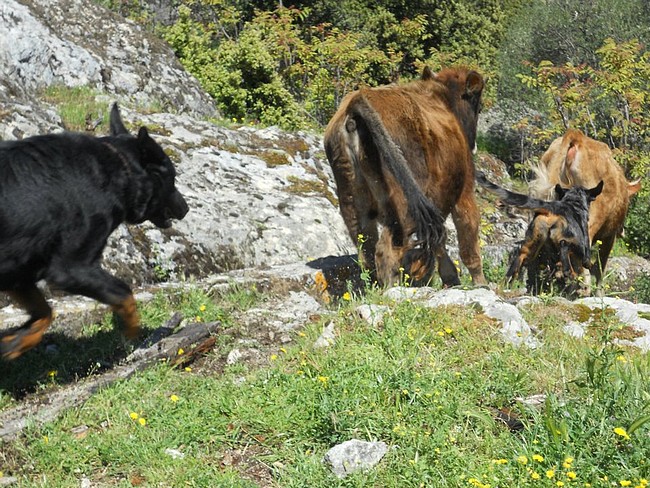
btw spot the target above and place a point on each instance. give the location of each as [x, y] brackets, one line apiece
[353, 456]
[79, 43]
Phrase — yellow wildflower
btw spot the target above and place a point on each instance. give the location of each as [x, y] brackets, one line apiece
[535, 475]
[202, 308]
[560, 483]
[346, 296]
[274, 357]
[571, 475]
[625, 482]
[622, 432]
[173, 398]
[142, 421]
[538, 458]
[522, 460]
[134, 415]
[180, 351]
[188, 369]
[550, 473]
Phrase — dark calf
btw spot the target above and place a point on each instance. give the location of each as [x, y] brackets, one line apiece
[559, 225]
[61, 196]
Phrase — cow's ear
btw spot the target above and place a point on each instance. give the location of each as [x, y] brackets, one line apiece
[595, 191]
[474, 83]
[116, 124]
[427, 74]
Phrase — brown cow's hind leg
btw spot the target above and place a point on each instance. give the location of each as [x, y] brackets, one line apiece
[467, 218]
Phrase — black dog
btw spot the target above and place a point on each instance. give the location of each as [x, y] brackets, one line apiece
[560, 225]
[61, 196]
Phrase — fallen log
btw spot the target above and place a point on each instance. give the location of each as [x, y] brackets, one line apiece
[161, 344]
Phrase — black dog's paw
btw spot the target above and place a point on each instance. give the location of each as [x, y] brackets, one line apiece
[14, 343]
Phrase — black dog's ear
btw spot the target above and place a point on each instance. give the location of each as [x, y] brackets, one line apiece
[560, 192]
[143, 134]
[595, 191]
[117, 126]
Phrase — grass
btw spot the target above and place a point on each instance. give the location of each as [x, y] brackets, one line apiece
[427, 382]
[77, 106]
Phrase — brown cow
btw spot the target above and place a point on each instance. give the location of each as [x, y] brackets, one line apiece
[578, 160]
[402, 160]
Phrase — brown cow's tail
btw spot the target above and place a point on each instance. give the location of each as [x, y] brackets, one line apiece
[428, 220]
[542, 186]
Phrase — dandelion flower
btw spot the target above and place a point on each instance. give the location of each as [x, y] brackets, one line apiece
[134, 415]
[274, 357]
[538, 458]
[522, 460]
[560, 483]
[535, 475]
[550, 473]
[571, 475]
[188, 369]
[180, 351]
[622, 432]
[142, 421]
[346, 296]
[625, 482]
[174, 398]
[202, 308]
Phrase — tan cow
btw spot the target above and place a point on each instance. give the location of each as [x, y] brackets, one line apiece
[578, 160]
[402, 159]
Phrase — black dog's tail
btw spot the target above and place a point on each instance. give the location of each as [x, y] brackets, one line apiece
[427, 218]
[515, 199]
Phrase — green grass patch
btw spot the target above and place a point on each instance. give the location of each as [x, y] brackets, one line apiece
[427, 382]
[78, 107]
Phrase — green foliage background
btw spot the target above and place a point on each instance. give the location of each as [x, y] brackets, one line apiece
[550, 64]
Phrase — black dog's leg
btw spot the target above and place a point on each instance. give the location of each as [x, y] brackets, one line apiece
[16, 342]
[94, 282]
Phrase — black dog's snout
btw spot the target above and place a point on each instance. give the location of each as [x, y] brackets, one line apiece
[178, 206]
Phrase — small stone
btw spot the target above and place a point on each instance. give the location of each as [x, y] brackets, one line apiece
[174, 453]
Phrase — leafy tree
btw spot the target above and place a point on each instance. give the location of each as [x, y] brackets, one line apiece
[609, 102]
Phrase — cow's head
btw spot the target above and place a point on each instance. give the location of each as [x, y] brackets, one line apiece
[407, 261]
[569, 233]
[464, 89]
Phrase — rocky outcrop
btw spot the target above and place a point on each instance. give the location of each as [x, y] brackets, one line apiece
[79, 43]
